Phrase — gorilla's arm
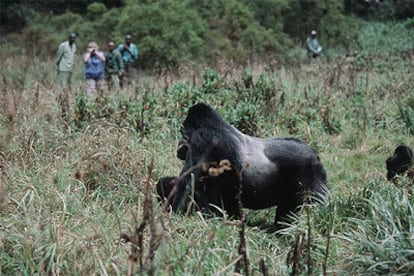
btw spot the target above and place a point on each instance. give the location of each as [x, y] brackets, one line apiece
[182, 149]
[198, 148]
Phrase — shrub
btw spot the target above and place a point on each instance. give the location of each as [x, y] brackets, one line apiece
[96, 10]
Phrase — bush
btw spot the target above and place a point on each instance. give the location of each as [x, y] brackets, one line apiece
[96, 10]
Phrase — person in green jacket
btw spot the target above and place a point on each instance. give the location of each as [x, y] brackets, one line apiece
[114, 66]
[129, 52]
[314, 48]
[65, 59]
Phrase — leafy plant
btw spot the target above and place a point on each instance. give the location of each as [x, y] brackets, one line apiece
[245, 117]
[211, 81]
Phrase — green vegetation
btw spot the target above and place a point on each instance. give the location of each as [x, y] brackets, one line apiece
[79, 198]
[175, 33]
[172, 34]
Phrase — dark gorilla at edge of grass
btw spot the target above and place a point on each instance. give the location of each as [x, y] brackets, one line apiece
[400, 162]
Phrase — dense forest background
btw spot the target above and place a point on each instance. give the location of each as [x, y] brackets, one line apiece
[172, 33]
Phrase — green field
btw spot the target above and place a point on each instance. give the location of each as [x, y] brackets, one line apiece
[78, 198]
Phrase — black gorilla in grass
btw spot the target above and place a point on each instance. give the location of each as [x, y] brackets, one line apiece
[400, 162]
[278, 172]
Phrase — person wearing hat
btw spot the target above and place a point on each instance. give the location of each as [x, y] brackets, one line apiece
[65, 59]
[314, 48]
[94, 61]
[129, 52]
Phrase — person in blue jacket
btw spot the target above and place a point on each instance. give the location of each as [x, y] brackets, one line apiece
[94, 61]
[129, 52]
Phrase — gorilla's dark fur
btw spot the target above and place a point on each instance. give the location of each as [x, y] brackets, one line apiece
[274, 172]
[182, 149]
[165, 187]
[399, 162]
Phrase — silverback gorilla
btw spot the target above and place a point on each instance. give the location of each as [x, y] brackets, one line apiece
[273, 172]
[399, 162]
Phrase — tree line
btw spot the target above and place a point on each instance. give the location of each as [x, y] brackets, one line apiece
[174, 32]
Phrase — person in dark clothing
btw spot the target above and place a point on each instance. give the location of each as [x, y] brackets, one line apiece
[129, 52]
[114, 66]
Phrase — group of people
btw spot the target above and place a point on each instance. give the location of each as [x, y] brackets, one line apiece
[113, 66]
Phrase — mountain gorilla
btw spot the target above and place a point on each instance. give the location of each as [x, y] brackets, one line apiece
[399, 162]
[278, 172]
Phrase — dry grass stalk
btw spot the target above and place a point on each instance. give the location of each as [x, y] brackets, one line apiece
[137, 239]
[328, 241]
[10, 100]
[309, 242]
[262, 267]
[2, 179]
[36, 100]
[235, 261]
[295, 255]
[242, 233]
